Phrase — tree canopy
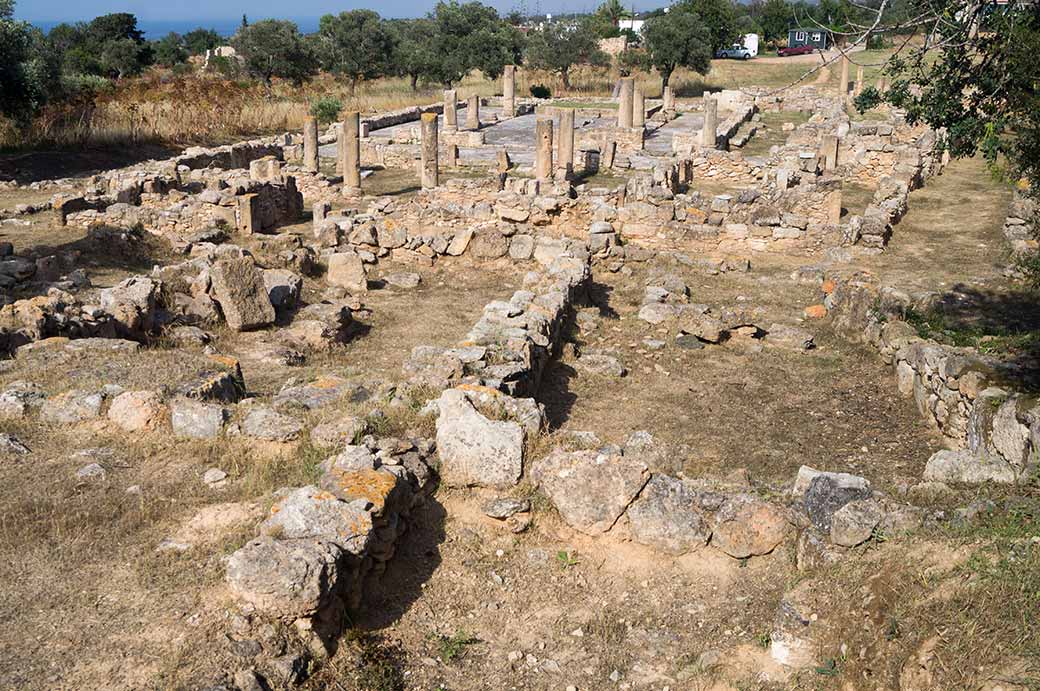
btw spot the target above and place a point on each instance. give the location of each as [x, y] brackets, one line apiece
[678, 39]
[719, 17]
[356, 45]
[558, 47]
[274, 48]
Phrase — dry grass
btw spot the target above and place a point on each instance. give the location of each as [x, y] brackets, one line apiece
[205, 109]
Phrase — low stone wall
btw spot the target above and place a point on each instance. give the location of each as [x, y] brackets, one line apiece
[1020, 230]
[992, 431]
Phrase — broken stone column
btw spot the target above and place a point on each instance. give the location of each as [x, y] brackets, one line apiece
[565, 155]
[829, 151]
[502, 162]
[453, 155]
[509, 91]
[428, 172]
[843, 85]
[350, 152]
[858, 89]
[310, 144]
[451, 113]
[606, 159]
[668, 99]
[627, 96]
[711, 119]
[638, 109]
[473, 113]
[543, 161]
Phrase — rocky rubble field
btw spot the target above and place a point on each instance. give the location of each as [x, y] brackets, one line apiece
[513, 430]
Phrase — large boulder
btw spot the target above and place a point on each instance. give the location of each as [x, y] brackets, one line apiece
[72, 407]
[132, 303]
[137, 411]
[284, 578]
[590, 489]
[347, 270]
[665, 517]
[308, 512]
[192, 419]
[473, 449]
[238, 287]
[854, 523]
[964, 466]
[827, 493]
[746, 526]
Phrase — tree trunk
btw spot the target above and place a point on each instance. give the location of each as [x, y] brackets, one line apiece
[566, 79]
[414, 82]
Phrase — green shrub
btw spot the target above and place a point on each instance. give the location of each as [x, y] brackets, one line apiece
[326, 109]
[541, 91]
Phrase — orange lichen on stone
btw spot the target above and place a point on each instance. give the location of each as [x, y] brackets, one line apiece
[477, 388]
[372, 485]
[828, 286]
[815, 312]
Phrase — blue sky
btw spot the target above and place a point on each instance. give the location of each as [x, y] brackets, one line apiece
[203, 10]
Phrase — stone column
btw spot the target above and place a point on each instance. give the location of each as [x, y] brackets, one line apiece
[509, 91]
[711, 120]
[310, 144]
[843, 85]
[451, 114]
[829, 150]
[428, 171]
[638, 109]
[473, 113]
[543, 149]
[668, 99]
[565, 155]
[350, 152]
[858, 89]
[628, 87]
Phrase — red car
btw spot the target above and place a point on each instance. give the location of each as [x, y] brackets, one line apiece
[795, 50]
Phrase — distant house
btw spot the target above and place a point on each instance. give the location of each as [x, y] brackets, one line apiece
[635, 25]
[817, 38]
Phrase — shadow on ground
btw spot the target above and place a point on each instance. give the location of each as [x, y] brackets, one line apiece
[1004, 324]
[32, 166]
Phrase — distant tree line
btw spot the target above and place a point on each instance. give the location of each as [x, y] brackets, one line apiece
[359, 45]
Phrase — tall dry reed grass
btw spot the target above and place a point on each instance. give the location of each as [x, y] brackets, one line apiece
[203, 109]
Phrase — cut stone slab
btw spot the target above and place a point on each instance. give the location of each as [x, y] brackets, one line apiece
[403, 280]
[665, 517]
[827, 493]
[137, 411]
[791, 337]
[347, 271]
[590, 489]
[475, 451]
[270, 425]
[309, 512]
[964, 466]
[854, 523]
[746, 526]
[335, 434]
[283, 287]
[238, 287]
[72, 407]
[284, 578]
[192, 419]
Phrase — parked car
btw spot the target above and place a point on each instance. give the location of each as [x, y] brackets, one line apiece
[735, 51]
[795, 50]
